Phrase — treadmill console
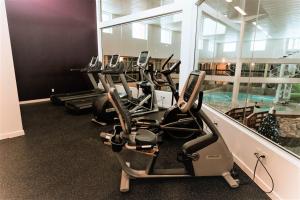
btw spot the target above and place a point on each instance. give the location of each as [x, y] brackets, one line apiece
[96, 66]
[143, 58]
[191, 90]
[114, 60]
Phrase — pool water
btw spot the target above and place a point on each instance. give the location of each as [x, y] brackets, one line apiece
[225, 97]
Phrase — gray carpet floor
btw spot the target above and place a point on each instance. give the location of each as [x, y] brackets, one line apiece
[62, 157]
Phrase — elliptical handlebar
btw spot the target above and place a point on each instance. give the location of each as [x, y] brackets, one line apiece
[171, 69]
[167, 61]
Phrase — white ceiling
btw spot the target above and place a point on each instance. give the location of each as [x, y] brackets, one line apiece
[278, 18]
[125, 7]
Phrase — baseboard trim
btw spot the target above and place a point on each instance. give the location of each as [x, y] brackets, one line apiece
[12, 134]
[257, 180]
[34, 101]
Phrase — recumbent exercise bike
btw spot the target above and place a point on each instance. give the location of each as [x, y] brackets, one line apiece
[206, 155]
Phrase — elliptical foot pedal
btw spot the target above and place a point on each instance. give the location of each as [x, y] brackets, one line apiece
[125, 180]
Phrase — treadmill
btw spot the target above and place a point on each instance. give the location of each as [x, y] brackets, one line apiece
[60, 99]
[81, 105]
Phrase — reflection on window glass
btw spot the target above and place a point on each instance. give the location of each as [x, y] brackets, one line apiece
[200, 44]
[258, 45]
[152, 35]
[140, 31]
[211, 45]
[293, 44]
[106, 17]
[124, 7]
[166, 36]
[269, 104]
[211, 27]
[229, 47]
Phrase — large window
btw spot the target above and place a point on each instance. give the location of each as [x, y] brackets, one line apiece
[259, 85]
[139, 31]
[211, 27]
[293, 44]
[166, 36]
[161, 36]
[211, 46]
[258, 45]
[229, 47]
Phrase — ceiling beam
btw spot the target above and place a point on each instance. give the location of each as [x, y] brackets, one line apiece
[219, 16]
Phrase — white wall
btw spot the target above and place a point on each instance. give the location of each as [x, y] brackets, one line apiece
[274, 49]
[121, 41]
[243, 143]
[10, 116]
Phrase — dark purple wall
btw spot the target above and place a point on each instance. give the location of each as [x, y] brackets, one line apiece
[48, 38]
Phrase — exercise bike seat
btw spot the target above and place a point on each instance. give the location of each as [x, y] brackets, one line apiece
[145, 137]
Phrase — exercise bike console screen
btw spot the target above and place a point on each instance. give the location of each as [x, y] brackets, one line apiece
[114, 59]
[193, 78]
[143, 57]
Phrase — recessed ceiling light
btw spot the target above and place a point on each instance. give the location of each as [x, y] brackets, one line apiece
[229, 1]
[241, 11]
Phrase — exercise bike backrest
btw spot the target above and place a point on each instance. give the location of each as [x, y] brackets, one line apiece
[123, 113]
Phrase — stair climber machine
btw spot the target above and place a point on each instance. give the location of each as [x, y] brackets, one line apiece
[206, 155]
[144, 103]
[60, 99]
[85, 104]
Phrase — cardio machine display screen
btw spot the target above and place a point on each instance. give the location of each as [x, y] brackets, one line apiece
[193, 78]
[143, 57]
[114, 59]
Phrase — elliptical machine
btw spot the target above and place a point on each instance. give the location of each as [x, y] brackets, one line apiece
[144, 103]
[206, 155]
[175, 123]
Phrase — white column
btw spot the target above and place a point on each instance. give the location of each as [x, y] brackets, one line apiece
[10, 116]
[280, 87]
[238, 69]
[188, 35]
[265, 75]
[99, 32]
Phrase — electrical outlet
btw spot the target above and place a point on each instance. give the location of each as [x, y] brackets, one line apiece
[216, 121]
[261, 153]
